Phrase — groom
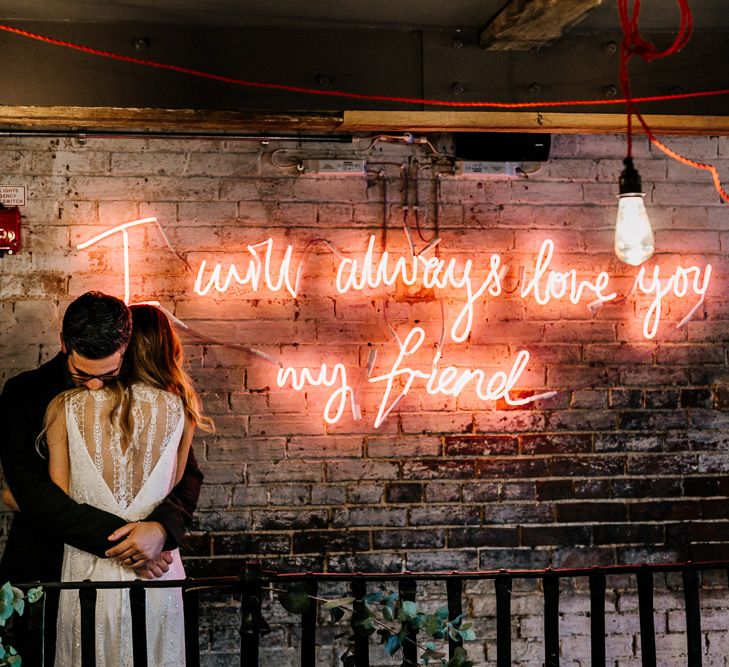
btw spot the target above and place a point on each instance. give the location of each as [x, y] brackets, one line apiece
[95, 333]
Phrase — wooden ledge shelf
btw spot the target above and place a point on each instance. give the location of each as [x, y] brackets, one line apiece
[79, 119]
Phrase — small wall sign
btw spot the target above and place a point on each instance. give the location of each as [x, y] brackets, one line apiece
[12, 195]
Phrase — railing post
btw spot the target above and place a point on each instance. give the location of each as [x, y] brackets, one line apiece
[550, 582]
[138, 607]
[693, 616]
[454, 590]
[308, 627]
[191, 608]
[51, 598]
[361, 640]
[35, 643]
[407, 589]
[87, 600]
[597, 619]
[647, 627]
[503, 620]
[250, 614]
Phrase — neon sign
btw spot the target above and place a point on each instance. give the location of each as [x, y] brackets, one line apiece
[262, 268]
[679, 283]
[252, 273]
[558, 284]
[449, 381]
[125, 245]
[338, 398]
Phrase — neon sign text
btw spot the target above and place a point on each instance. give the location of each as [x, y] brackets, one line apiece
[337, 376]
[679, 283]
[357, 275]
[449, 381]
[251, 274]
[261, 268]
[125, 245]
[559, 284]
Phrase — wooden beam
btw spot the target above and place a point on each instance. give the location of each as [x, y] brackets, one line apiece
[524, 25]
[163, 120]
[526, 121]
[78, 119]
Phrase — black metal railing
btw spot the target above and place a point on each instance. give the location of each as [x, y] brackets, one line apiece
[254, 582]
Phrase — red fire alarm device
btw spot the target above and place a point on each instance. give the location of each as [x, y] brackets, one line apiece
[9, 230]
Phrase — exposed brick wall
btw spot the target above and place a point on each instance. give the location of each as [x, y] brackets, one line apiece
[627, 462]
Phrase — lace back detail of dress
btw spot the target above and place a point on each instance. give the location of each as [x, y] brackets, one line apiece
[156, 416]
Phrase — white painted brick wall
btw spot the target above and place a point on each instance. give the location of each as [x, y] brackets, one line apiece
[275, 472]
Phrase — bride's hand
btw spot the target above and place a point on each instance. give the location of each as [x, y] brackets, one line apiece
[153, 569]
[143, 540]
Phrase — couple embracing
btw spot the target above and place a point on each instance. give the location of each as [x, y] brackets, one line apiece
[98, 464]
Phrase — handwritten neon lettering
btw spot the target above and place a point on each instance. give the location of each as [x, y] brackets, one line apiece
[493, 283]
[449, 381]
[337, 376]
[679, 283]
[557, 284]
[251, 274]
[433, 272]
[265, 267]
[125, 245]
[357, 275]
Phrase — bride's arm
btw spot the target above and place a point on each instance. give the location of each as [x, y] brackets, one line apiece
[57, 439]
[184, 449]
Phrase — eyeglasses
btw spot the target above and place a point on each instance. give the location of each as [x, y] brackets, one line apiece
[87, 377]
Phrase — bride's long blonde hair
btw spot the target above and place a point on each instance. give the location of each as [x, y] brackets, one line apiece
[155, 357]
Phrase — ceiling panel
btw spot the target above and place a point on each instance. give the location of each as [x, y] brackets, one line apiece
[408, 14]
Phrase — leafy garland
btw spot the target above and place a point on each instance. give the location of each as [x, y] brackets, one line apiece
[379, 612]
[12, 601]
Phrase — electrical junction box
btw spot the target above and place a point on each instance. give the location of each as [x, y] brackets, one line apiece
[501, 146]
[334, 166]
[479, 168]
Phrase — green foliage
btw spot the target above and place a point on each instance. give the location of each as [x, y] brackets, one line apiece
[9, 656]
[295, 598]
[35, 594]
[394, 621]
[12, 601]
[381, 612]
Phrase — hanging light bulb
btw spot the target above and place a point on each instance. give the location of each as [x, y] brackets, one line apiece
[633, 234]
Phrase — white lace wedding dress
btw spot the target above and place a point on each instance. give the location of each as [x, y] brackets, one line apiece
[129, 483]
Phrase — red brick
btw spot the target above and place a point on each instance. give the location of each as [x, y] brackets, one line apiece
[436, 422]
[286, 424]
[286, 471]
[685, 194]
[503, 468]
[480, 445]
[589, 332]
[546, 193]
[555, 443]
[358, 470]
[324, 447]
[402, 447]
[509, 421]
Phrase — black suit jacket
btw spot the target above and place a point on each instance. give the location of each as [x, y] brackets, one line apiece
[48, 517]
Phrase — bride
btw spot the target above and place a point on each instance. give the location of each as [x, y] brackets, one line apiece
[122, 448]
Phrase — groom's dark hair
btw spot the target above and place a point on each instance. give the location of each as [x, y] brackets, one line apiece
[96, 325]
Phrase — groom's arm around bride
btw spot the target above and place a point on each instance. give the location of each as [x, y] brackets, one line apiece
[48, 518]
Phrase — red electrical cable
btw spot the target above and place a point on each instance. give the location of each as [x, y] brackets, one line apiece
[633, 44]
[339, 93]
